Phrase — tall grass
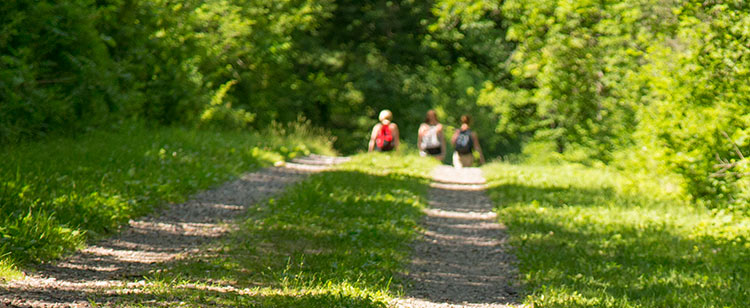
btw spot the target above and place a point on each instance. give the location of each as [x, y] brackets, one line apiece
[594, 238]
[55, 194]
[339, 239]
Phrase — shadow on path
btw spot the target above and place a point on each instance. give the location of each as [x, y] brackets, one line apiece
[164, 236]
[462, 259]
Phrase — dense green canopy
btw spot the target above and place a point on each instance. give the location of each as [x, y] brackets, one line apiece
[643, 84]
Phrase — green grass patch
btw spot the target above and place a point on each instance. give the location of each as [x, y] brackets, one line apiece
[8, 270]
[338, 239]
[595, 238]
[56, 194]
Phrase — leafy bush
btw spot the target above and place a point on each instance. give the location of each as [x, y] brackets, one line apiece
[699, 110]
[221, 115]
[57, 70]
[642, 84]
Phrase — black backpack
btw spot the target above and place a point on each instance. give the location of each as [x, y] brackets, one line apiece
[464, 142]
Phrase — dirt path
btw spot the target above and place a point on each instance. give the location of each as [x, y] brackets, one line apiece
[462, 259]
[175, 231]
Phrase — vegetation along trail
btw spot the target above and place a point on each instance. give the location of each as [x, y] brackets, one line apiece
[463, 259]
[177, 231]
[616, 135]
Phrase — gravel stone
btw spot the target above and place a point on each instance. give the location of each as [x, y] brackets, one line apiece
[462, 258]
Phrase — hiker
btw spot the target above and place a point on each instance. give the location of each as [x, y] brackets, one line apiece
[384, 135]
[465, 142]
[430, 138]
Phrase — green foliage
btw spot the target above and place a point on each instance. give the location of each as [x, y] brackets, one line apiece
[55, 194]
[338, 239]
[221, 115]
[644, 84]
[55, 67]
[337, 63]
[83, 63]
[699, 105]
[571, 68]
[595, 238]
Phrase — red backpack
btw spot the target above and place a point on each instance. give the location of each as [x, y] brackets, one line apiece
[384, 140]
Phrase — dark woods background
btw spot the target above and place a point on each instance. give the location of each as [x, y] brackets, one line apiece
[73, 65]
[637, 84]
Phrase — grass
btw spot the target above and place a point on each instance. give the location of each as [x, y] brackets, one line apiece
[56, 194]
[595, 238]
[338, 239]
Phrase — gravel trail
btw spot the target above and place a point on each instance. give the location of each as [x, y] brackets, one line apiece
[176, 231]
[462, 259]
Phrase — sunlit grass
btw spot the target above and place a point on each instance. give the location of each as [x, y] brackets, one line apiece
[8, 270]
[400, 164]
[55, 194]
[594, 238]
[339, 239]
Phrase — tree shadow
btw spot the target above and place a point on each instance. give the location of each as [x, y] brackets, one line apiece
[343, 233]
[651, 262]
[475, 265]
[347, 227]
[217, 296]
[174, 231]
[557, 196]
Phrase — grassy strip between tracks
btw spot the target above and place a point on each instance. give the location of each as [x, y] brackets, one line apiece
[338, 239]
[595, 238]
